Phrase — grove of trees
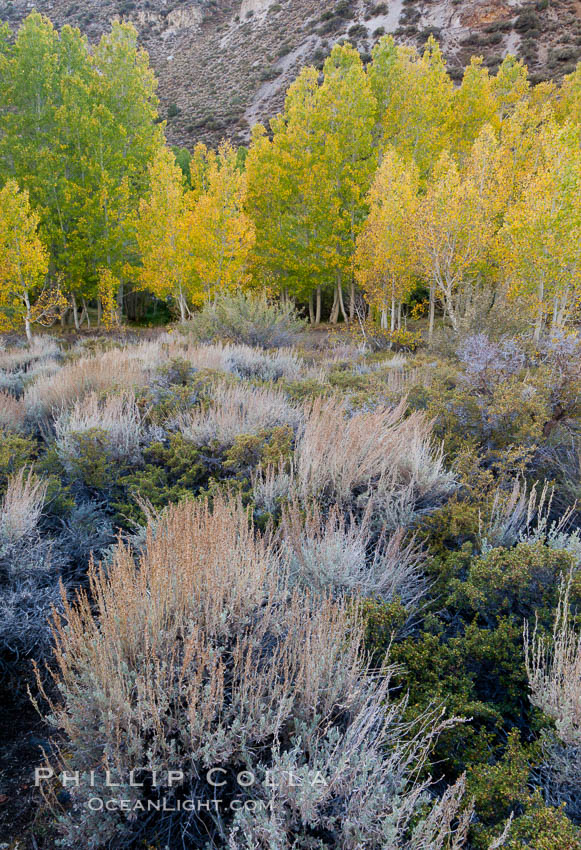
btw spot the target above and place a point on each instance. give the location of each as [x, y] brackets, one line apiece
[381, 180]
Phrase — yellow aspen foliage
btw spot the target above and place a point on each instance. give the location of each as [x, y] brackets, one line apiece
[415, 96]
[108, 287]
[568, 99]
[163, 239]
[308, 186]
[384, 258]
[199, 170]
[220, 233]
[510, 85]
[290, 196]
[24, 300]
[520, 146]
[540, 243]
[473, 106]
[453, 236]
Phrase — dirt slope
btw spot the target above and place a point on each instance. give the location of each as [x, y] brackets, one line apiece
[224, 64]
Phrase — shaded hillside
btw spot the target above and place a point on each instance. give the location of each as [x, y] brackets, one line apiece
[224, 64]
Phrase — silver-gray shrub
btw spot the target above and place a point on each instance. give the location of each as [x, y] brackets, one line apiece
[246, 362]
[28, 578]
[487, 363]
[117, 415]
[340, 555]
[235, 410]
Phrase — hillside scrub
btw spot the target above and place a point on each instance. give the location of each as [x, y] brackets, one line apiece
[289, 512]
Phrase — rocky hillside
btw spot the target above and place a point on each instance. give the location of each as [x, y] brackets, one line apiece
[224, 64]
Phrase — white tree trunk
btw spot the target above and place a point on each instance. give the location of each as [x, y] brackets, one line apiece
[432, 312]
[335, 308]
[75, 312]
[27, 322]
[539, 322]
[183, 307]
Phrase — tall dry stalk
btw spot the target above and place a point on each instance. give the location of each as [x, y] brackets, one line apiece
[554, 671]
[12, 412]
[377, 454]
[22, 505]
[119, 368]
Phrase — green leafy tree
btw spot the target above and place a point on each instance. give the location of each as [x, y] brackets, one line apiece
[78, 131]
[307, 187]
[414, 95]
[23, 264]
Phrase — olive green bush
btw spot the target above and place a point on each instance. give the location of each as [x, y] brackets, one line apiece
[247, 320]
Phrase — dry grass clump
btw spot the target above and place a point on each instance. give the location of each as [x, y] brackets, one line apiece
[199, 656]
[43, 349]
[116, 415]
[12, 412]
[335, 555]
[145, 357]
[554, 671]
[272, 487]
[236, 410]
[21, 506]
[376, 454]
[123, 368]
[213, 357]
[241, 360]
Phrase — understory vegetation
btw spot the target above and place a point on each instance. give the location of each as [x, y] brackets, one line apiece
[350, 574]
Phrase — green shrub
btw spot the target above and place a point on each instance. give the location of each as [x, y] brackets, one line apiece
[382, 621]
[520, 582]
[247, 319]
[543, 828]
[499, 789]
[479, 675]
[170, 473]
[15, 453]
[268, 447]
[91, 460]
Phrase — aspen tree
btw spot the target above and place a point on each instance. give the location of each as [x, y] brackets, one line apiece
[24, 299]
